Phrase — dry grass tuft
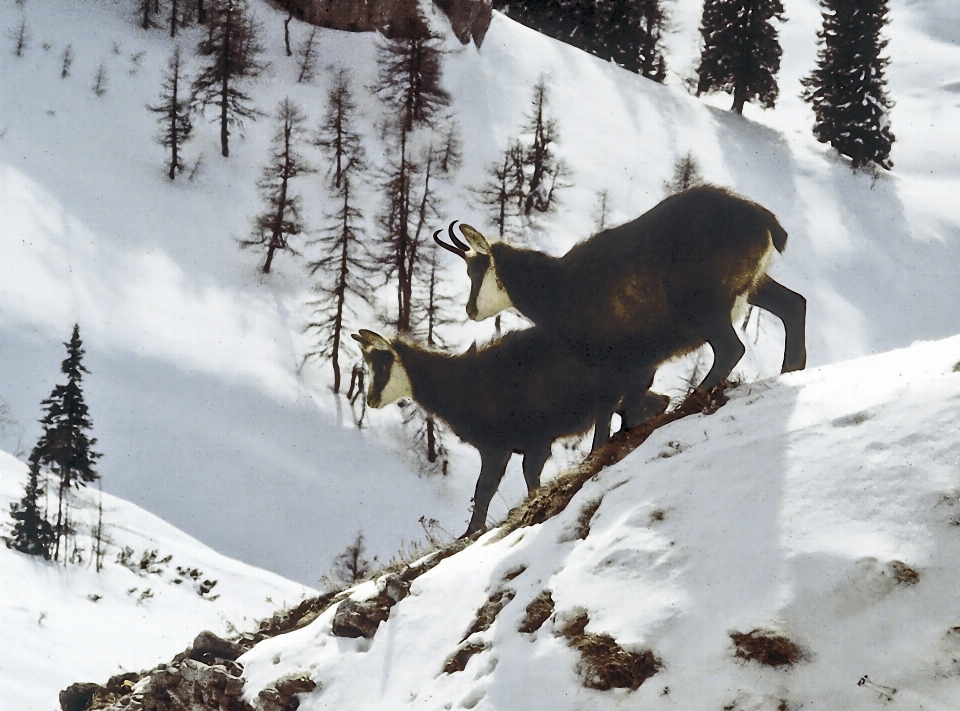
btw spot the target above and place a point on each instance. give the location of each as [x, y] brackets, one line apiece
[604, 664]
[767, 648]
[538, 612]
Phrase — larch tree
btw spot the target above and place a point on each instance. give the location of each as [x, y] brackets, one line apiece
[343, 270]
[847, 89]
[32, 533]
[409, 85]
[307, 53]
[281, 219]
[173, 114]
[741, 50]
[233, 46]
[65, 447]
[543, 172]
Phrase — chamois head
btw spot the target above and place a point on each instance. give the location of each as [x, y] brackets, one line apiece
[487, 295]
[388, 377]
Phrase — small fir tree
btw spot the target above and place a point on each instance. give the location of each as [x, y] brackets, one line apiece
[66, 61]
[32, 533]
[20, 38]
[100, 81]
[601, 211]
[64, 447]
[232, 44]
[281, 220]
[307, 53]
[686, 174]
[502, 193]
[350, 566]
[343, 271]
[847, 89]
[741, 51]
[173, 114]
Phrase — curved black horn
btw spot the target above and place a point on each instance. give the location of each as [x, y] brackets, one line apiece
[456, 240]
[449, 248]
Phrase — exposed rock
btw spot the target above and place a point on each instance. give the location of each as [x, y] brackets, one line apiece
[283, 695]
[361, 618]
[207, 647]
[393, 18]
[77, 697]
[458, 662]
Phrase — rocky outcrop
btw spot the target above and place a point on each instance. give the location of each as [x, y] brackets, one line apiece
[393, 18]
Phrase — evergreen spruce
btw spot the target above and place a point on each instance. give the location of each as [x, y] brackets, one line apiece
[64, 446]
[686, 174]
[232, 46]
[32, 533]
[173, 115]
[281, 220]
[343, 271]
[847, 89]
[741, 51]
[629, 32]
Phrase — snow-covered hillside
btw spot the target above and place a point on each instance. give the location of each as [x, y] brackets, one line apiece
[822, 508]
[63, 624]
[194, 390]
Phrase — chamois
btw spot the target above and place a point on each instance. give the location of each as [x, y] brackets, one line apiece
[518, 394]
[633, 296]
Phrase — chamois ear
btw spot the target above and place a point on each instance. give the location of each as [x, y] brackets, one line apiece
[476, 240]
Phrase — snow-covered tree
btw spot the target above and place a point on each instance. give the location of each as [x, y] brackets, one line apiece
[232, 45]
[173, 114]
[32, 533]
[741, 50]
[344, 268]
[281, 219]
[64, 447]
[847, 89]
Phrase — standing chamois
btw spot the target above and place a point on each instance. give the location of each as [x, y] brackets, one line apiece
[633, 296]
[518, 394]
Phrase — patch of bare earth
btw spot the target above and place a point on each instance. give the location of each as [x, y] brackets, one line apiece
[604, 664]
[767, 648]
[538, 612]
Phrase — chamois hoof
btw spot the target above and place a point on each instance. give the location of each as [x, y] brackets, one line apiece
[472, 533]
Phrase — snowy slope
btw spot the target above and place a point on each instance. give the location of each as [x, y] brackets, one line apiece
[194, 389]
[822, 507]
[64, 624]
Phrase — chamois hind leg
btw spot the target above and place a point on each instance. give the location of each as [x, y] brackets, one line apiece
[727, 352]
[533, 460]
[791, 308]
[610, 391]
[493, 465]
[639, 404]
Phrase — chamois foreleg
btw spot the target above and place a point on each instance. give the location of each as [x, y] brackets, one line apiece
[493, 465]
[639, 404]
[727, 352]
[533, 460]
[791, 308]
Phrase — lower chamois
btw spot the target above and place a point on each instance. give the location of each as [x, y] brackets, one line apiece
[633, 296]
[518, 394]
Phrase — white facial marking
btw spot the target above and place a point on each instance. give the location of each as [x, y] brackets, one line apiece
[492, 297]
[398, 384]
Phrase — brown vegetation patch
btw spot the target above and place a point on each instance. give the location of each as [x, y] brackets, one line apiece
[538, 612]
[488, 611]
[514, 573]
[604, 664]
[458, 662]
[903, 574]
[552, 498]
[586, 516]
[767, 648]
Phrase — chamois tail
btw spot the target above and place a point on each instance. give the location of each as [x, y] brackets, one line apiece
[777, 234]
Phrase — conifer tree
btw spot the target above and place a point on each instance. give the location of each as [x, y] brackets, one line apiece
[32, 533]
[629, 33]
[308, 58]
[741, 51]
[173, 114]
[847, 89]
[686, 174]
[64, 447]
[502, 193]
[409, 84]
[281, 219]
[147, 8]
[343, 271]
[20, 38]
[232, 45]
[543, 173]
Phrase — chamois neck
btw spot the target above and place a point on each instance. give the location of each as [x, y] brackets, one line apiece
[431, 374]
[529, 277]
